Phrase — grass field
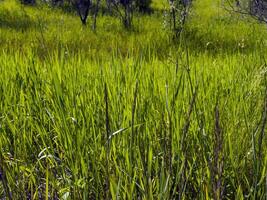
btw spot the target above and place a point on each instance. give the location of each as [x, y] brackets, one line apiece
[117, 114]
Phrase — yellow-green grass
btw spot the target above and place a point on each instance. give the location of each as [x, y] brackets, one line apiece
[63, 88]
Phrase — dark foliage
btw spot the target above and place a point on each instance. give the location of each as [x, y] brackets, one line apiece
[258, 8]
[143, 5]
[28, 2]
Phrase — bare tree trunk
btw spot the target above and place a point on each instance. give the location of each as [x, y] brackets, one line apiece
[95, 15]
[127, 16]
[83, 9]
[108, 2]
[173, 15]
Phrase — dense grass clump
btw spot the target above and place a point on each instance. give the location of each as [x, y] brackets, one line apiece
[117, 114]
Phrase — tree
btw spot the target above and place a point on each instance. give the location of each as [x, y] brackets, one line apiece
[126, 14]
[254, 8]
[143, 5]
[57, 2]
[179, 10]
[258, 8]
[83, 9]
[95, 14]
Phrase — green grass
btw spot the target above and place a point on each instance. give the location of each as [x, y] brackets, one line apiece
[131, 115]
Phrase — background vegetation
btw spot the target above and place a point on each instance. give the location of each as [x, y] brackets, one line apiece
[132, 114]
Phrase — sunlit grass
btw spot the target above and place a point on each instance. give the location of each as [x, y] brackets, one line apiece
[130, 114]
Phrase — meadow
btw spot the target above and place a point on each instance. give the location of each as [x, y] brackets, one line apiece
[132, 114]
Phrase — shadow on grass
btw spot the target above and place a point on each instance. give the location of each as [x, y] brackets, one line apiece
[17, 21]
[200, 42]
